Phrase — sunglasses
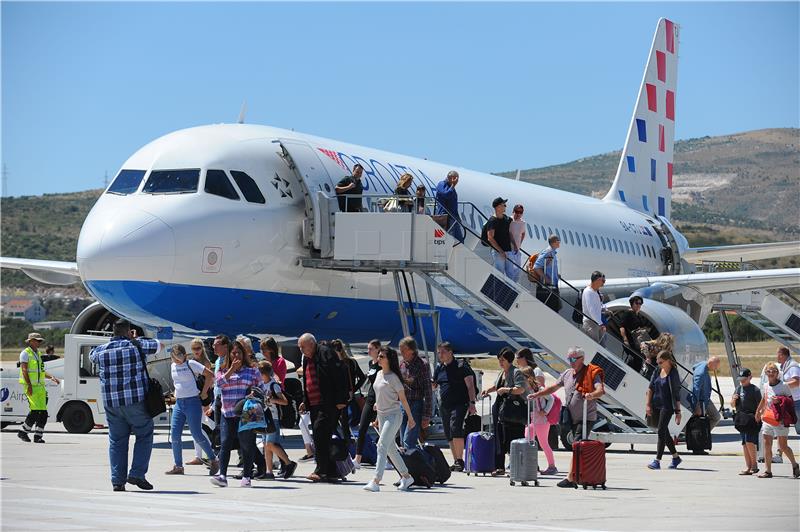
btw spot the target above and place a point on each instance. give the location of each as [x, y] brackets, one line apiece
[381, 356]
[573, 359]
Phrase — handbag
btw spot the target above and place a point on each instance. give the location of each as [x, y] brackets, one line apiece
[200, 382]
[513, 410]
[393, 205]
[154, 396]
[744, 422]
[565, 418]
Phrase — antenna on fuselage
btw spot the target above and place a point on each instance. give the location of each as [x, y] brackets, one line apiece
[242, 112]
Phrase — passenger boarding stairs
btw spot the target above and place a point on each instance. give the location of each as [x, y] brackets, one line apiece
[416, 244]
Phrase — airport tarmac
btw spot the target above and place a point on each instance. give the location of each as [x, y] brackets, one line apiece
[64, 485]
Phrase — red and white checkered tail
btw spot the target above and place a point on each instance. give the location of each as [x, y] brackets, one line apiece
[644, 175]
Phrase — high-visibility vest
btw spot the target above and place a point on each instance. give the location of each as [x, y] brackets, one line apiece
[35, 368]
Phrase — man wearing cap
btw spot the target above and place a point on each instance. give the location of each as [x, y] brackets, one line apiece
[499, 236]
[745, 401]
[123, 380]
[32, 375]
[546, 269]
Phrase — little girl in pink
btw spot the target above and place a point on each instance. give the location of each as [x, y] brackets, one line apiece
[540, 426]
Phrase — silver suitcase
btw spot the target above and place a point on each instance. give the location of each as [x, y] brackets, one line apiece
[524, 463]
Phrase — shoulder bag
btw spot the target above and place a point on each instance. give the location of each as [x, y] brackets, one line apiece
[154, 396]
[513, 410]
[200, 382]
[744, 422]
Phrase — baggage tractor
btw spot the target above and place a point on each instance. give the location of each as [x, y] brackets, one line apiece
[589, 460]
[479, 451]
[419, 467]
[524, 462]
[698, 434]
[440, 466]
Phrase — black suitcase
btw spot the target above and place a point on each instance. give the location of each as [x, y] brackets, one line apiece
[419, 467]
[698, 434]
[472, 423]
[440, 466]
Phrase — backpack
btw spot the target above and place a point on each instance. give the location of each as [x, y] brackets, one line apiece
[485, 232]
[554, 415]
[577, 314]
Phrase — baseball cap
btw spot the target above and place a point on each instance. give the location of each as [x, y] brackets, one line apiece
[744, 372]
[498, 200]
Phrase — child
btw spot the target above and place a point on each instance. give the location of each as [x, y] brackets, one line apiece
[540, 427]
[272, 444]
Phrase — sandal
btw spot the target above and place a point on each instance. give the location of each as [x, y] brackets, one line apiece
[746, 472]
[313, 477]
[765, 474]
[195, 461]
[499, 473]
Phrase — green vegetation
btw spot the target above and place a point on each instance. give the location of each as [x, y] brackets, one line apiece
[16, 331]
[741, 329]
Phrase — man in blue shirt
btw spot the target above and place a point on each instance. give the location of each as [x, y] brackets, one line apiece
[701, 390]
[121, 368]
[447, 203]
[546, 270]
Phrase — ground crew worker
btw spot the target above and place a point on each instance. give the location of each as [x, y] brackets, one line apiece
[32, 375]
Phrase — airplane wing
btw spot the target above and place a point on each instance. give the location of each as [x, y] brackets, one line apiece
[743, 252]
[44, 271]
[708, 283]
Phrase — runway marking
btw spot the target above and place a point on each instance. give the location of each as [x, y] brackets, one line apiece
[292, 511]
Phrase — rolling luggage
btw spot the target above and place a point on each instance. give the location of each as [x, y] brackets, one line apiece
[589, 460]
[345, 467]
[524, 462]
[479, 451]
[698, 434]
[440, 466]
[419, 467]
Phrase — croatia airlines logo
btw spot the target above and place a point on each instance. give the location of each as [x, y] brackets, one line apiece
[334, 156]
[438, 233]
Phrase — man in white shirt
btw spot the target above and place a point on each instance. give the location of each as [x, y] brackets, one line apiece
[593, 308]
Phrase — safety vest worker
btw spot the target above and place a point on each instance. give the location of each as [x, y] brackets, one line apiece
[32, 376]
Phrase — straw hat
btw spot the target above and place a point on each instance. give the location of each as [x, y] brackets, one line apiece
[34, 336]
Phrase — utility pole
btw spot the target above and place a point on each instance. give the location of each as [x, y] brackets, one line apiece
[5, 181]
[105, 180]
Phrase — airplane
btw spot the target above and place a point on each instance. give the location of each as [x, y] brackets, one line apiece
[201, 230]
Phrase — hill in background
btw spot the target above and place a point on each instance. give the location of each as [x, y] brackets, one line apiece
[716, 182]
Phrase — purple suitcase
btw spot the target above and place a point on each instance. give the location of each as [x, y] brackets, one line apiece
[479, 452]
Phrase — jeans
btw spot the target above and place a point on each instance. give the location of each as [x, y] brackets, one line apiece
[410, 437]
[188, 410]
[515, 258]
[797, 414]
[122, 422]
[389, 426]
[504, 265]
[228, 432]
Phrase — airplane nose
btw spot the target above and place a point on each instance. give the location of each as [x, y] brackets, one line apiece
[129, 244]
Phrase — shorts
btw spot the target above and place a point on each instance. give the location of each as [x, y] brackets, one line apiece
[750, 437]
[776, 432]
[274, 437]
[453, 421]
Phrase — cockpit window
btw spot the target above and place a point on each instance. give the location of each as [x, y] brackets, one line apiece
[217, 183]
[126, 182]
[248, 187]
[172, 181]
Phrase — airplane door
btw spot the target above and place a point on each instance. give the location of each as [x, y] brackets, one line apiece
[316, 184]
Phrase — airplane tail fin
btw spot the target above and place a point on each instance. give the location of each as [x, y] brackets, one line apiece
[644, 175]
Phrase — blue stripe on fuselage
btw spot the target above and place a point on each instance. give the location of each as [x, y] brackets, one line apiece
[207, 310]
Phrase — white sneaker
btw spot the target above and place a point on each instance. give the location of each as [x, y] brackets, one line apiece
[356, 465]
[405, 483]
[776, 459]
[245, 482]
[371, 486]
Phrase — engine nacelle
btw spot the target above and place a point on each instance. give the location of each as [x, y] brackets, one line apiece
[691, 345]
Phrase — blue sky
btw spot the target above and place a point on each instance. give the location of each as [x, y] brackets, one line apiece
[485, 86]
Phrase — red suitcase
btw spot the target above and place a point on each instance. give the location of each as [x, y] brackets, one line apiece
[589, 460]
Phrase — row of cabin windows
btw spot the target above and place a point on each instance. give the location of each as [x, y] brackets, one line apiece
[186, 181]
[569, 237]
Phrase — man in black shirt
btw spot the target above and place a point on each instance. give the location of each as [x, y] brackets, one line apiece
[499, 237]
[456, 397]
[746, 400]
[351, 187]
[634, 330]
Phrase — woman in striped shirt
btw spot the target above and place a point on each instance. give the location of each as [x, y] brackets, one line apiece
[237, 373]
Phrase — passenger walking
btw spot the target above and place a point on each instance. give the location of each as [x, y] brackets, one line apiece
[545, 269]
[272, 443]
[349, 190]
[581, 383]
[518, 233]
[198, 354]
[416, 375]
[32, 375]
[390, 398]
[539, 426]
[354, 375]
[701, 390]
[457, 393]
[498, 235]
[237, 374]
[368, 409]
[447, 204]
[524, 359]
[325, 391]
[790, 375]
[664, 400]
[123, 381]
[745, 400]
[271, 352]
[634, 331]
[593, 307]
[510, 382]
[773, 395]
[651, 349]
[188, 407]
